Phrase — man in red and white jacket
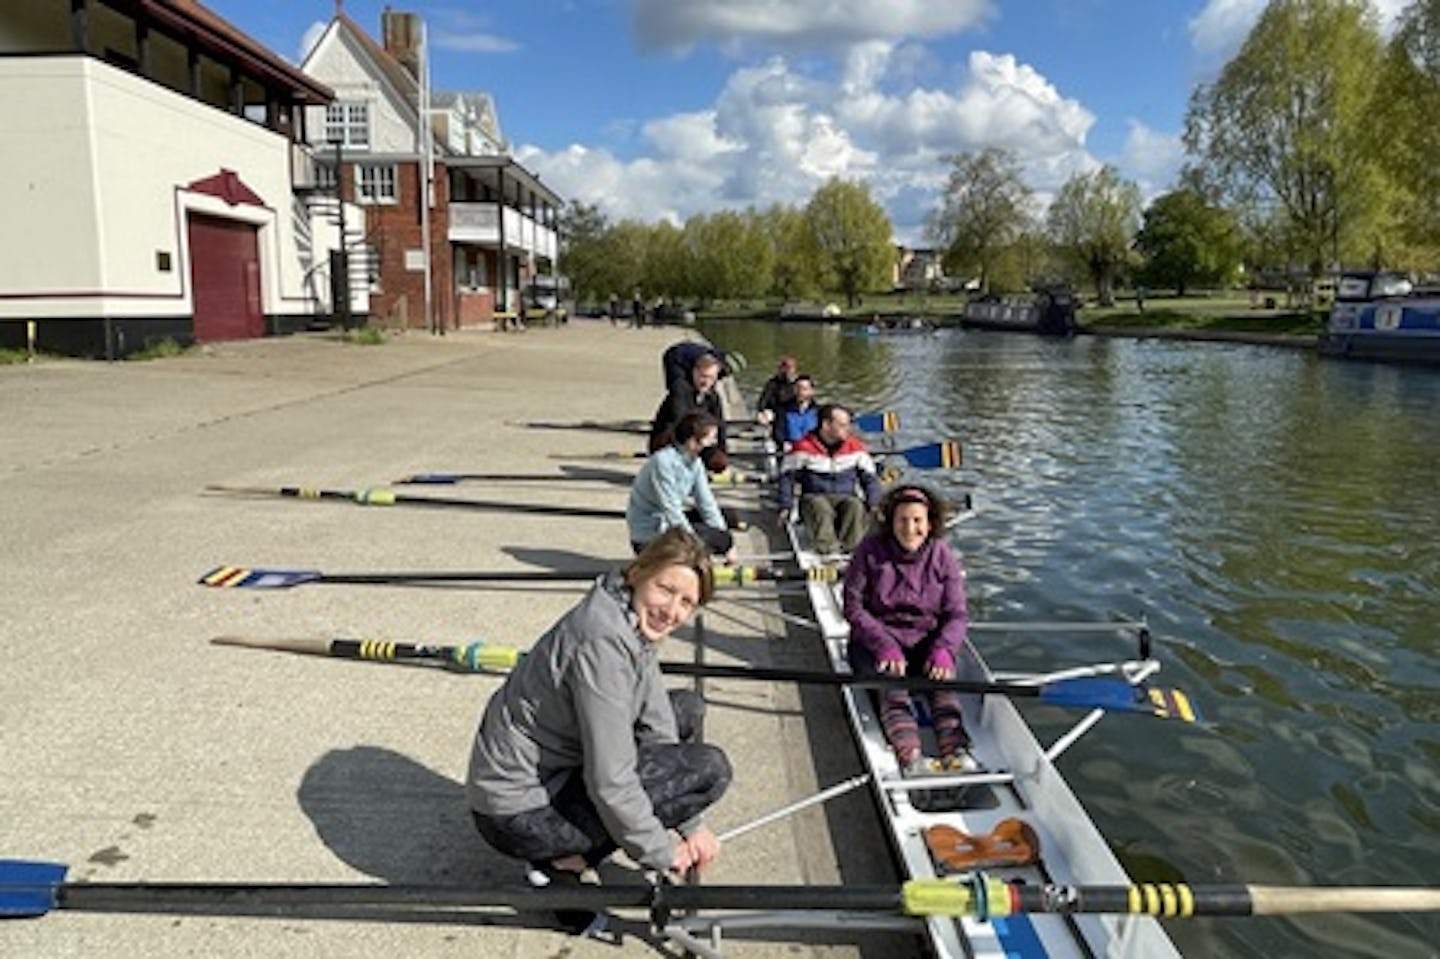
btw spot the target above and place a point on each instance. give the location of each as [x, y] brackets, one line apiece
[836, 479]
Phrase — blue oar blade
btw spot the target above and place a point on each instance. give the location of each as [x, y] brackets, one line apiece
[942, 455]
[877, 422]
[1118, 696]
[240, 577]
[29, 888]
[432, 479]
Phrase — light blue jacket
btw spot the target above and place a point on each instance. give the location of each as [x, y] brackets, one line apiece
[657, 499]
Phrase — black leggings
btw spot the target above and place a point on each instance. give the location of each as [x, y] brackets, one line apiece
[682, 780]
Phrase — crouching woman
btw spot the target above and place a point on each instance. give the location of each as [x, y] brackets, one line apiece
[581, 751]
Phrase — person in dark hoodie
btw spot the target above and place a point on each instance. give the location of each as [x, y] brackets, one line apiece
[582, 752]
[835, 477]
[678, 361]
[905, 603]
[697, 394]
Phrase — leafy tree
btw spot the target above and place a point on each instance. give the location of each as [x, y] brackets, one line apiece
[1092, 221]
[1188, 242]
[627, 244]
[667, 261]
[985, 209]
[852, 236]
[1407, 99]
[1286, 121]
[582, 229]
[796, 269]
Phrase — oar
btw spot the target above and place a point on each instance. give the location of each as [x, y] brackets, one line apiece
[729, 477]
[246, 577]
[878, 422]
[943, 454]
[30, 888]
[613, 477]
[1109, 694]
[385, 497]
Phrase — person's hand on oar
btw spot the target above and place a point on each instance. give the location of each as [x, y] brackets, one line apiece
[699, 850]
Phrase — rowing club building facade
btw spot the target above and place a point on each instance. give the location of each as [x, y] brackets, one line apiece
[155, 180]
[490, 227]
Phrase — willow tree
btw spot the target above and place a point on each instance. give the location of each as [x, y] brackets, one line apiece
[852, 238]
[983, 213]
[1285, 123]
[1092, 221]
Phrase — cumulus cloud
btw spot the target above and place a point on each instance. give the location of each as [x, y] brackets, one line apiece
[776, 132]
[1152, 158]
[679, 24]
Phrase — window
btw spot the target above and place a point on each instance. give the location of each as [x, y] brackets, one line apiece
[375, 183]
[371, 256]
[348, 124]
[324, 176]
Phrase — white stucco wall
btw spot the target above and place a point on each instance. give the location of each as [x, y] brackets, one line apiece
[338, 64]
[92, 180]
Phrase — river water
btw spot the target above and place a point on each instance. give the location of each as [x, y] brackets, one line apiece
[1276, 520]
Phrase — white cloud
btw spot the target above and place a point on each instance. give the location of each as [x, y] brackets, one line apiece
[1151, 158]
[474, 42]
[309, 38]
[776, 132]
[678, 24]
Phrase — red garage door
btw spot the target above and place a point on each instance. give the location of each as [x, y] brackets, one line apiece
[225, 275]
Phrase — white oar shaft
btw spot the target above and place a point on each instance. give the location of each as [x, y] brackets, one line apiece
[820, 797]
[1285, 900]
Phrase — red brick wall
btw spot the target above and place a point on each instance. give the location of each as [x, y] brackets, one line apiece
[393, 228]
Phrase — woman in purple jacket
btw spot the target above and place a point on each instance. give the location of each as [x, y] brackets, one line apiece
[905, 601]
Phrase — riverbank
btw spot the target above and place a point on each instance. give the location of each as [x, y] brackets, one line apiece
[135, 750]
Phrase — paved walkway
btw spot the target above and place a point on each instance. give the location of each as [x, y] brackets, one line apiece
[132, 749]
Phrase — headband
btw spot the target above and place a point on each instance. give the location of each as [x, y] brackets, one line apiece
[912, 496]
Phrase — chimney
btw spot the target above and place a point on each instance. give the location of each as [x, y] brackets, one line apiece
[400, 33]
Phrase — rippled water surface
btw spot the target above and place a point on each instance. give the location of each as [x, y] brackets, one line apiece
[1276, 519]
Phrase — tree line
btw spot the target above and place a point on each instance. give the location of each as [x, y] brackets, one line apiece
[1311, 150]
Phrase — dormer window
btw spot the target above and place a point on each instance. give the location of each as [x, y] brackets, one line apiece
[348, 124]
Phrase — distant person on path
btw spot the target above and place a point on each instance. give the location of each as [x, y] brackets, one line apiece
[695, 395]
[581, 751]
[670, 478]
[1140, 299]
[614, 310]
[800, 415]
[835, 478]
[776, 391]
[637, 309]
[905, 603]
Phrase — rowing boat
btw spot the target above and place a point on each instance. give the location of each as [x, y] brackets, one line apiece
[1018, 781]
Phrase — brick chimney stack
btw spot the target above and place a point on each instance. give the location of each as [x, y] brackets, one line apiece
[400, 33]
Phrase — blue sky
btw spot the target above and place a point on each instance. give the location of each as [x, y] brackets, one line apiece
[665, 108]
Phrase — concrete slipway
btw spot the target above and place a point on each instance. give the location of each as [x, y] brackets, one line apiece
[132, 749]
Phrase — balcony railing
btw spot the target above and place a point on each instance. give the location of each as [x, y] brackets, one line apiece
[480, 223]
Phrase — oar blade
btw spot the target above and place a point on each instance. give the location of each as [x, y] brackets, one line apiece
[1117, 696]
[431, 479]
[887, 422]
[942, 455]
[240, 577]
[29, 888]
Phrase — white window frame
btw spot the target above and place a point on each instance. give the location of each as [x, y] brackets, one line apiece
[349, 123]
[376, 183]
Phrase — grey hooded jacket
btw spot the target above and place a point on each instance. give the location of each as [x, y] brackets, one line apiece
[581, 700]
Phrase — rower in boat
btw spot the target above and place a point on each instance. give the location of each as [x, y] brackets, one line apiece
[835, 477]
[905, 604]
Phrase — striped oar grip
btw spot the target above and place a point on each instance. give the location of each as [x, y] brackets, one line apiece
[379, 649]
[375, 497]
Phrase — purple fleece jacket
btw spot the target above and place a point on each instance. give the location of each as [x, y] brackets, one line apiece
[896, 600]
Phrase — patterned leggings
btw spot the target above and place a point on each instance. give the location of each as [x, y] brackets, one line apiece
[897, 717]
[682, 780]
